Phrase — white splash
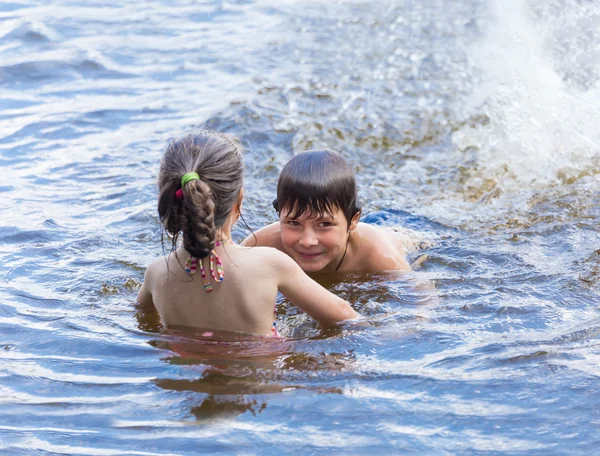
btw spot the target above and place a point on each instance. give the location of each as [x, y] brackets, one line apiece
[538, 85]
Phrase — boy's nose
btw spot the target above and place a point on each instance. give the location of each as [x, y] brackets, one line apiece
[308, 239]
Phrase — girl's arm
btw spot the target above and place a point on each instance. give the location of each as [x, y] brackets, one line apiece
[308, 295]
[144, 297]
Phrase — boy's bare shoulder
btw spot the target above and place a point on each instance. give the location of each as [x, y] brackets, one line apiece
[374, 236]
[380, 250]
[380, 233]
[267, 236]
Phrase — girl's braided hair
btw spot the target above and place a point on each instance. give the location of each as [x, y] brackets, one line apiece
[206, 203]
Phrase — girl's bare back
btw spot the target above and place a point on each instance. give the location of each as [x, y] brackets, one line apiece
[243, 302]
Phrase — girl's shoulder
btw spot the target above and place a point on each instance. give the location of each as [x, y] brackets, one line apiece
[267, 263]
[156, 267]
[267, 256]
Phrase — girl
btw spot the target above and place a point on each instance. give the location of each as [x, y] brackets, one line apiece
[210, 282]
[318, 220]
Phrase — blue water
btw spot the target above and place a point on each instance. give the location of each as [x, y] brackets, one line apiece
[470, 124]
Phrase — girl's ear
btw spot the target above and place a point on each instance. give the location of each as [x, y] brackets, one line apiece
[236, 211]
[240, 199]
[354, 221]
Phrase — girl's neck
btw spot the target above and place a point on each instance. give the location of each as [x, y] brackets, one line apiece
[224, 232]
[222, 236]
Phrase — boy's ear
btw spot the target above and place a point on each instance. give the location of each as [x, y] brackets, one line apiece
[354, 221]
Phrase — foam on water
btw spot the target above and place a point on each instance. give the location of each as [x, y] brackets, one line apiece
[541, 124]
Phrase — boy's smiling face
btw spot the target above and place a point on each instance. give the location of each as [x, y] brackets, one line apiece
[316, 242]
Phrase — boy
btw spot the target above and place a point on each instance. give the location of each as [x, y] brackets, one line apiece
[318, 220]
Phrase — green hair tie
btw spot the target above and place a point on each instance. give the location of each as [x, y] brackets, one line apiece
[188, 177]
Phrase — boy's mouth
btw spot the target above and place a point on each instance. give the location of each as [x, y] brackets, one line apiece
[309, 256]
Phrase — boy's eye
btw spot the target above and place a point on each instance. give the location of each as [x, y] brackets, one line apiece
[293, 223]
[325, 224]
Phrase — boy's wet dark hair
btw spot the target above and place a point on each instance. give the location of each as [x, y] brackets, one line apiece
[317, 182]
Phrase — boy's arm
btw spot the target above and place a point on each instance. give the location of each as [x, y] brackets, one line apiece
[267, 236]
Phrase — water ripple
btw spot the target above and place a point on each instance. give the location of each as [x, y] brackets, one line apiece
[490, 346]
